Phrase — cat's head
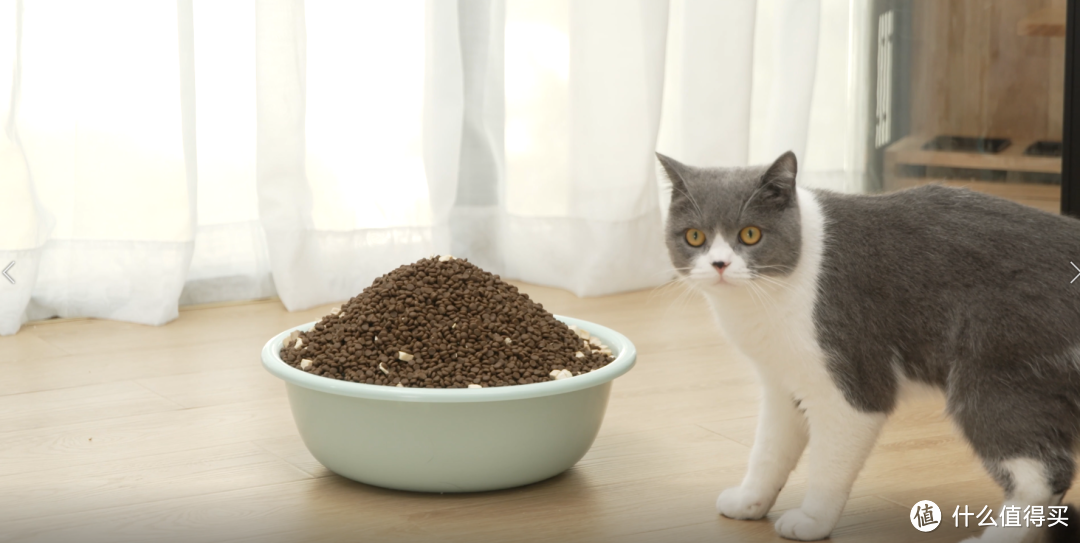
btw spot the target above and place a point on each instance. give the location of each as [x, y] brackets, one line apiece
[731, 226]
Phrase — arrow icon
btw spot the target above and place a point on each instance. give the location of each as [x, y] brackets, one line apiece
[12, 265]
[1070, 282]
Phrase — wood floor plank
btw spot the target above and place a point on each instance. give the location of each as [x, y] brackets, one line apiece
[26, 345]
[78, 404]
[218, 387]
[140, 481]
[134, 436]
[93, 336]
[291, 449]
[89, 369]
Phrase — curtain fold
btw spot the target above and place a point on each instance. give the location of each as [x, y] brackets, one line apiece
[234, 150]
[99, 125]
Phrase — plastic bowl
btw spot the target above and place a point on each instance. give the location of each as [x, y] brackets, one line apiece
[450, 440]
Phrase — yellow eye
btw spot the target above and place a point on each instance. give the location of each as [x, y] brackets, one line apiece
[695, 237]
[750, 235]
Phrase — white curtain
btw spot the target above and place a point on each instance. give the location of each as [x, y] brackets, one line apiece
[156, 154]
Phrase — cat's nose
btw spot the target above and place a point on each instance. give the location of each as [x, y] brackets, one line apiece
[719, 265]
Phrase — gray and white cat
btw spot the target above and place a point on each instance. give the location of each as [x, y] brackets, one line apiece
[843, 301]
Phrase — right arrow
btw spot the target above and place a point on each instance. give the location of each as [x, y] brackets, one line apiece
[1070, 282]
[9, 266]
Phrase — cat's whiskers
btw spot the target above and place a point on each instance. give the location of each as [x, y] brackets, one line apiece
[689, 289]
[674, 279]
[775, 282]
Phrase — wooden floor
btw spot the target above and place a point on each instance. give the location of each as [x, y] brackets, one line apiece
[113, 432]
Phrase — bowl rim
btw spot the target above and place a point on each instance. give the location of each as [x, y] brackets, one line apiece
[626, 356]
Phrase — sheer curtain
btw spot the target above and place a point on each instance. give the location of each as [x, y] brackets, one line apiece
[159, 154]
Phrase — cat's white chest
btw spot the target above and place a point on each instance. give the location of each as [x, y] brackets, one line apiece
[776, 334]
[773, 324]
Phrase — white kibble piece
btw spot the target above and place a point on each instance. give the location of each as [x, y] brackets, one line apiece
[474, 385]
[579, 354]
[335, 310]
[404, 356]
[606, 351]
[376, 338]
[299, 343]
[341, 315]
[554, 374]
[383, 369]
[305, 364]
[583, 334]
[399, 385]
[508, 341]
[586, 344]
[564, 374]
[445, 258]
[595, 341]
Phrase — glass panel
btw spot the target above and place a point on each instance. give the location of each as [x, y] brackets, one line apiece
[969, 93]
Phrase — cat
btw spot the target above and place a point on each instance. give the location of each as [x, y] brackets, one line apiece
[844, 301]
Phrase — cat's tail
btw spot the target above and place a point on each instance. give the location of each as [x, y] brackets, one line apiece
[1066, 534]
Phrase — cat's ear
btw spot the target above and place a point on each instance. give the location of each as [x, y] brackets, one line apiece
[778, 183]
[675, 171]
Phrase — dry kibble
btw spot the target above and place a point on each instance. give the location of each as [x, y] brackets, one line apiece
[335, 310]
[445, 258]
[443, 323]
[305, 364]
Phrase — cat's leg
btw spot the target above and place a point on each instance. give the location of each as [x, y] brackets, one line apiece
[841, 438]
[1028, 482]
[1025, 440]
[779, 441]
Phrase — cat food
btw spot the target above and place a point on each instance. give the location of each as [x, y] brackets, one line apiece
[443, 322]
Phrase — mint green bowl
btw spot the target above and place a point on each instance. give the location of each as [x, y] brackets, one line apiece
[450, 440]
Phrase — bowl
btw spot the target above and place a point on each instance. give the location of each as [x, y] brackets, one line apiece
[450, 440]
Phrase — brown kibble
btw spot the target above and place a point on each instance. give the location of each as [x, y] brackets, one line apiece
[443, 324]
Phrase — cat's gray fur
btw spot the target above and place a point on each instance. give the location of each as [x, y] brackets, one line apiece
[959, 290]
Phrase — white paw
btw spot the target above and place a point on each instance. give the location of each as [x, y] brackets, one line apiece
[741, 504]
[795, 524]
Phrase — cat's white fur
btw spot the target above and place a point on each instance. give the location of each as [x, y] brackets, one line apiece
[770, 320]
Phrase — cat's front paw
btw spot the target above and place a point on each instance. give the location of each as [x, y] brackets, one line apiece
[795, 524]
[742, 504]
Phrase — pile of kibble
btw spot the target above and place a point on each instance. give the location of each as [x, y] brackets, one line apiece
[443, 323]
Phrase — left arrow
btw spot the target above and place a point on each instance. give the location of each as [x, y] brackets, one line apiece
[8, 268]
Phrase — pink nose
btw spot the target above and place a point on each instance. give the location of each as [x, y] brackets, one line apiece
[720, 267]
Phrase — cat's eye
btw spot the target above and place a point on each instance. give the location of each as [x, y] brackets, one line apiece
[695, 237]
[750, 235]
